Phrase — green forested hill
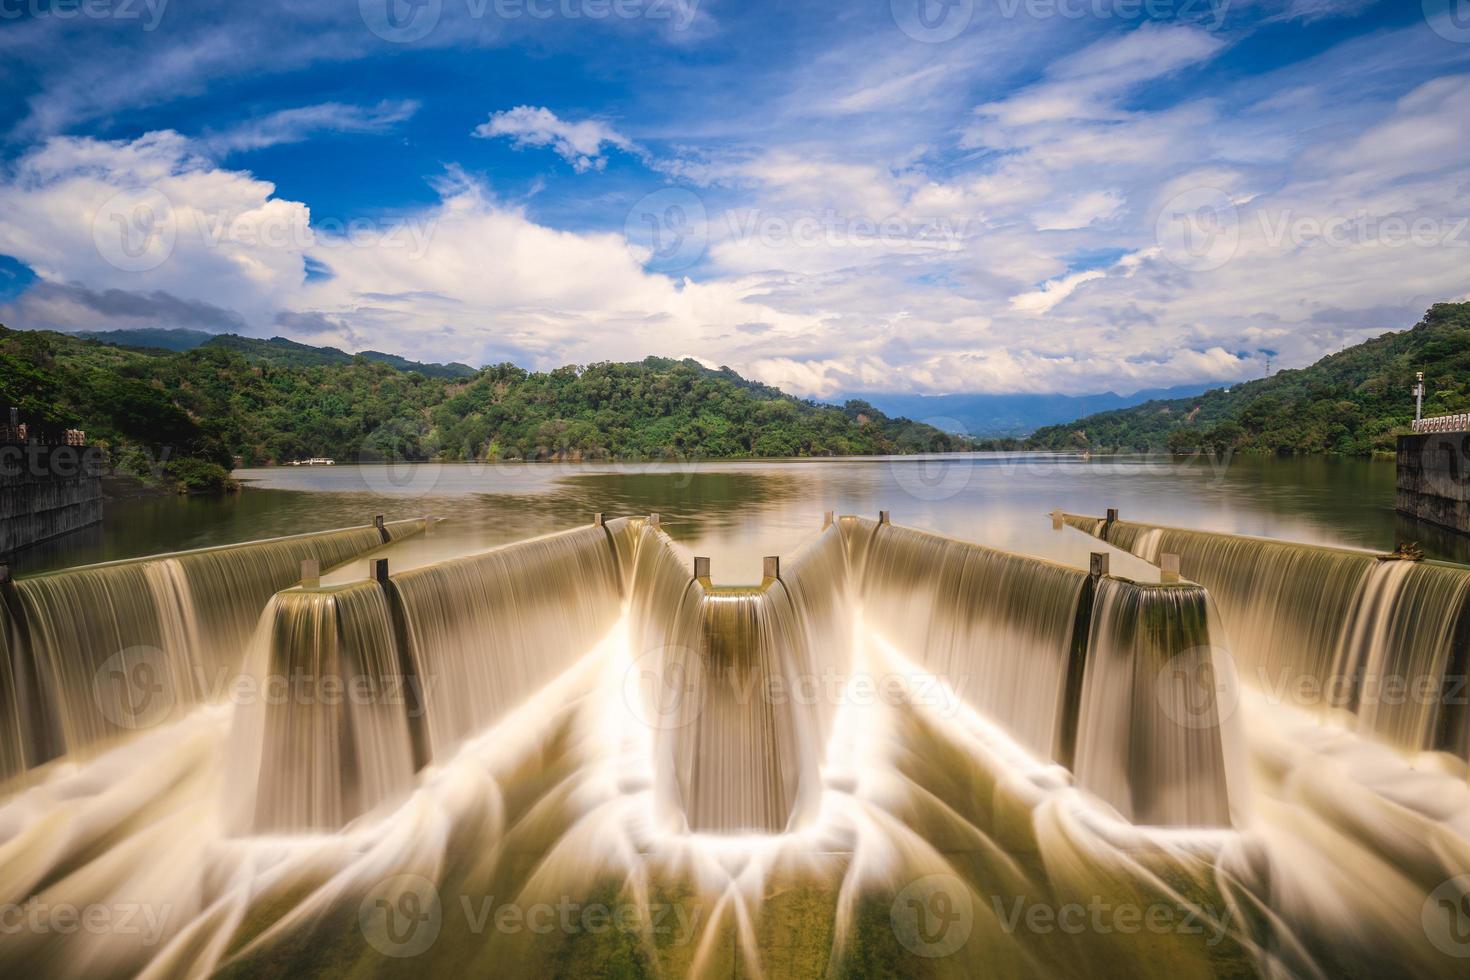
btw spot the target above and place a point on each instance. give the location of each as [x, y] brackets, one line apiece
[201, 407]
[1350, 403]
[277, 350]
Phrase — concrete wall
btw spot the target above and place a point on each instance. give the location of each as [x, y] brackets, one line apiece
[46, 491]
[1434, 478]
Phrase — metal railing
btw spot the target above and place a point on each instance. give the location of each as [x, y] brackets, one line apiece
[1444, 423]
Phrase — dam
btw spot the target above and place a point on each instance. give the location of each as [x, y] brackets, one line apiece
[890, 752]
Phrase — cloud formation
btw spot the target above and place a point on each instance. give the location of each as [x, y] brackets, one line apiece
[578, 143]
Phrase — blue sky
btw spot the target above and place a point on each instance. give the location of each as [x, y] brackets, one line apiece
[904, 195]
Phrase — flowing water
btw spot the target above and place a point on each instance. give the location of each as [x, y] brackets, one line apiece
[891, 753]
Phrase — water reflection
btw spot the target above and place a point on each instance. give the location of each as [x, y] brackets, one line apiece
[738, 511]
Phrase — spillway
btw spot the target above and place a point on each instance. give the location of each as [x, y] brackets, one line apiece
[731, 678]
[104, 651]
[890, 753]
[1385, 643]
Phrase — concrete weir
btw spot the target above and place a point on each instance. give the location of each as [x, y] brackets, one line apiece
[1367, 630]
[1432, 480]
[99, 652]
[1074, 663]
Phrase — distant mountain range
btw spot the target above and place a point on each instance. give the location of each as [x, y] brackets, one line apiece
[277, 351]
[1012, 416]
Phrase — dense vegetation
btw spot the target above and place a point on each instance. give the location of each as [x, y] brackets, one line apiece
[186, 414]
[1349, 403]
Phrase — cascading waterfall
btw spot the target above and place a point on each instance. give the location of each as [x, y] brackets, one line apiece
[482, 633]
[1053, 657]
[943, 814]
[1152, 720]
[1384, 641]
[422, 661]
[324, 735]
[730, 679]
[106, 650]
[997, 627]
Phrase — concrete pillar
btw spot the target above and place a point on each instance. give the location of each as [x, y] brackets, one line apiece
[653, 520]
[4, 568]
[883, 517]
[828, 519]
[1098, 565]
[597, 520]
[771, 566]
[380, 570]
[378, 521]
[1112, 514]
[1169, 568]
[1056, 520]
[311, 573]
[701, 568]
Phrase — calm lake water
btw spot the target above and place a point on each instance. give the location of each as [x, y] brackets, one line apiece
[738, 511]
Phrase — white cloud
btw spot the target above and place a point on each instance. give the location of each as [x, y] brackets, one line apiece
[1045, 299]
[578, 143]
[295, 125]
[1081, 211]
